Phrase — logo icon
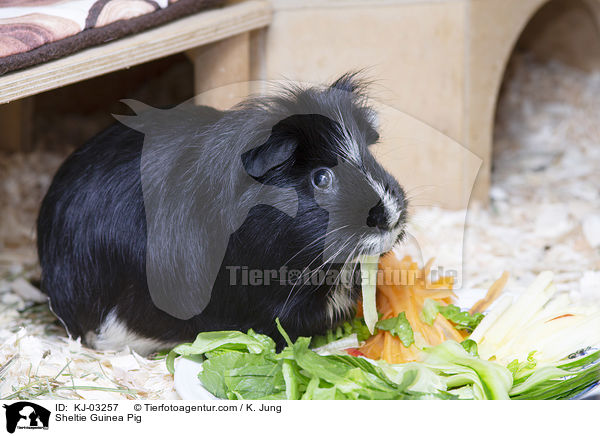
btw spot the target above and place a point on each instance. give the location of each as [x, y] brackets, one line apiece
[26, 415]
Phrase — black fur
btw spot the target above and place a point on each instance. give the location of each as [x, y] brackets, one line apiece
[93, 229]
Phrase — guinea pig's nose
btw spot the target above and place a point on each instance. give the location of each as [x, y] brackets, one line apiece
[377, 217]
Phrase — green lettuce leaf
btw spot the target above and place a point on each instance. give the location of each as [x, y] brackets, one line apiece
[461, 320]
[519, 369]
[493, 380]
[357, 325]
[470, 347]
[238, 375]
[400, 327]
[430, 311]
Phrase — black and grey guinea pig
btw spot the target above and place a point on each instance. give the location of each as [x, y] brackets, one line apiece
[190, 219]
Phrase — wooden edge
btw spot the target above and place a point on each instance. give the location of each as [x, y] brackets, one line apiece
[177, 36]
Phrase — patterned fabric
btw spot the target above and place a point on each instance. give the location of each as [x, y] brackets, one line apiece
[27, 24]
[35, 31]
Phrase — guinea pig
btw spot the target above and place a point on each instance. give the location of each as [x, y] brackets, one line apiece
[179, 221]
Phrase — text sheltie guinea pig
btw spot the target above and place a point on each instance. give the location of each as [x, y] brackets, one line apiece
[190, 219]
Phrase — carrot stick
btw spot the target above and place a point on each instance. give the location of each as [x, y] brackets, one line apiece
[492, 294]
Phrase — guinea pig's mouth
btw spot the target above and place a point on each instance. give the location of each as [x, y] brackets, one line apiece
[379, 244]
[375, 247]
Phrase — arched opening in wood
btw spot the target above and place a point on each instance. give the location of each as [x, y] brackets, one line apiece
[544, 85]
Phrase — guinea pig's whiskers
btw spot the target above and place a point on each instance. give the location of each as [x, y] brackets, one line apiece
[344, 265]
[352, 258]
[290, 294]
[328, 261]
[303, 283]
[316, 241]
[330, 266]
[416, 191]
[361, 251]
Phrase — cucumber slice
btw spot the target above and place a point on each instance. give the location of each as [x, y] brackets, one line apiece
[368, 273]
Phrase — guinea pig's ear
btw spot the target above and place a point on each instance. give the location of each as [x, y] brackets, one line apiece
[258, 161]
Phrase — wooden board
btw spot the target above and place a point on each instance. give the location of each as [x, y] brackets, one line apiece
[218, 65]
[184, 34]
[15, 128]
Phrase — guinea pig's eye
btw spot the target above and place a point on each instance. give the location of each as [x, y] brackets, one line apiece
[322, 178]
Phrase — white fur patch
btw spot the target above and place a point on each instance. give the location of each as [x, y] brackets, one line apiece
[379, 244]
[114, 335]
[349, 146]
[340, 303]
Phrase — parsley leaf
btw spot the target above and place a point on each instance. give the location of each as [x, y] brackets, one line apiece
[400, 327]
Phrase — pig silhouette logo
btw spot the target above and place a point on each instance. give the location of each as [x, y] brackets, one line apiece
[26, 415]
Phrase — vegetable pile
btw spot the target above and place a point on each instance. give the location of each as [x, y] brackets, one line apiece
[420, 346]
[246, 366]
[415, 312]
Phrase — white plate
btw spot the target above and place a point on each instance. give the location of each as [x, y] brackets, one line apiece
[187, 384]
